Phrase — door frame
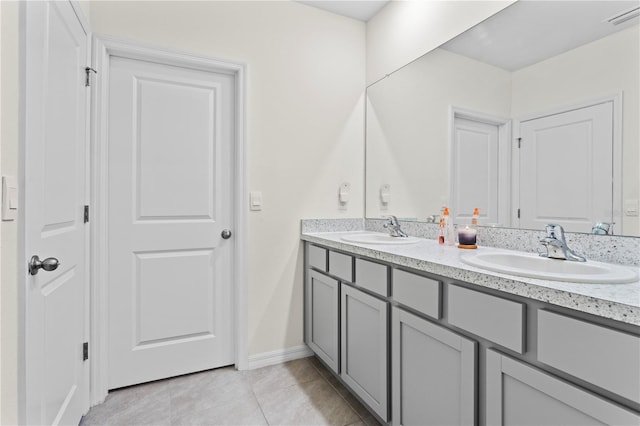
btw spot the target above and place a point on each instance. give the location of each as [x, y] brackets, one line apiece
[504, 155]
[22, 254]
[616, 185]
[104, 47]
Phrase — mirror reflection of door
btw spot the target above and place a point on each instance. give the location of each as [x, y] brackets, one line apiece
[479, 168]
[566, 167]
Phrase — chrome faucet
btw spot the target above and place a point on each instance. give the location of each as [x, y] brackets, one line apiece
[394, 227]
[602, 228]
[555, 245]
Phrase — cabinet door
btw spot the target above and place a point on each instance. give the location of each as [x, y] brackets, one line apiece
[321, 313]
[518, 394]
[433, 373]
[364, 325]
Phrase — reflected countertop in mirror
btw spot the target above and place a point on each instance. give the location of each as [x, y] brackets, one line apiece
[445, 130]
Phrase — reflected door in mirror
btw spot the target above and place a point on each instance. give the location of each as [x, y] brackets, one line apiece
[566, 167]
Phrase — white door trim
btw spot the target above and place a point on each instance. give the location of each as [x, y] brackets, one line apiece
[104, 47]
[504, 155]
[616, 99]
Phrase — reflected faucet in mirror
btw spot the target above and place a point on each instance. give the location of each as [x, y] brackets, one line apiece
[602, 228]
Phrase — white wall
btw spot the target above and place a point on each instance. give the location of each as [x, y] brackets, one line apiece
[575, 76]
[305, 118]
[405, 30]
[9, 230]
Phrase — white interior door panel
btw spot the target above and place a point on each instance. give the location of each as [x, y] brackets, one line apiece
[170, 159]
[566, 168]
[54, 198]
[474, 170]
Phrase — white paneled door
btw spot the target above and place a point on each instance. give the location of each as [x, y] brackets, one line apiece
[55, 140]
[566, 169]
[474, 170]
[170, 180]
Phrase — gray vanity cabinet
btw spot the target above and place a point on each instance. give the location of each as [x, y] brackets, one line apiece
[433, 373]
[518, 394]
[364, 368]
[419, 350]
[322, 316]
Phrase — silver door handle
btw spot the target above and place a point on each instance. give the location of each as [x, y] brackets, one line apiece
[226, 234]
[49, 264]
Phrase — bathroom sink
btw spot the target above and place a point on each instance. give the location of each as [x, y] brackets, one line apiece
[378, 238]
[534, 266]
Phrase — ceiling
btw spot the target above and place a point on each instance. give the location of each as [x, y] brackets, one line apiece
[515, 37]
[362, 10]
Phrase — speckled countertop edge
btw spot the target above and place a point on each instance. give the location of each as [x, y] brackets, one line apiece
[619, 302]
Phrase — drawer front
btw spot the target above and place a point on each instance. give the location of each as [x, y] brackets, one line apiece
[317, 257]
[417, 292]
[341, 265]
[605, 357]
[500, 320]
[372, 276]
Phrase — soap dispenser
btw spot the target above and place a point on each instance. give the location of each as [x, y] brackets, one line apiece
[475, 216]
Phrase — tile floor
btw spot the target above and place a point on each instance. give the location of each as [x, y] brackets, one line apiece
[300, 392]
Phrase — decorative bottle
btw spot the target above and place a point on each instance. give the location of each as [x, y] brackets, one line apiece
[449, 233]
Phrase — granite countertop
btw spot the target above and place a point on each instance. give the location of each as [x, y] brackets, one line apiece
[620, 302]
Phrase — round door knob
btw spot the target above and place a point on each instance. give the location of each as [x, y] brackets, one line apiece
[49, 264]
[226, 234]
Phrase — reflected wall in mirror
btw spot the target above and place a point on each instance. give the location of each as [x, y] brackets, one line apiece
[558, 76]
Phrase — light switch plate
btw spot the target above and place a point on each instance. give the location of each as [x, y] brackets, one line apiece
[255, 200]
[631, 207]
[9, 198]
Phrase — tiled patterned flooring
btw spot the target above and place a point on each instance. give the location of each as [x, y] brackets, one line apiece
[300, 392]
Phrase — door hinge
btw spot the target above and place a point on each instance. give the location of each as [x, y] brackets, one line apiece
[86, 214]
[85, 351]
[88, 71]
[519, 142]
[518, 213]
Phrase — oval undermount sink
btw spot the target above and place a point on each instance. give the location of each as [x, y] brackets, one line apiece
[534, 266]
[378, 238]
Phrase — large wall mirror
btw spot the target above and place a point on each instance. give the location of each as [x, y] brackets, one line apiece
[531, 116]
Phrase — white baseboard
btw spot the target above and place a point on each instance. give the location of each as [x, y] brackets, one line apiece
[278, 357]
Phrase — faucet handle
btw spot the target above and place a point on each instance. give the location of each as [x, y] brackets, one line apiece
[391, 221]
[555, 231]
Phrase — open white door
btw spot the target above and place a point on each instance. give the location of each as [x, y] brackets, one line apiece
[55, 139]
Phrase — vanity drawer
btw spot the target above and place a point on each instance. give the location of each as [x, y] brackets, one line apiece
[372, 276]
[500, 320]
[317, 257]
[341, 266]
[417, 292]
[605, 357]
